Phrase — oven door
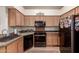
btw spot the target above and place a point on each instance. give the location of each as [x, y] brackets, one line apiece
[40, 38]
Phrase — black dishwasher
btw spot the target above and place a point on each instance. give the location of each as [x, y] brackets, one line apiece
[28, 41]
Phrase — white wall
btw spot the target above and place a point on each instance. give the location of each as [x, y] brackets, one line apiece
[45, 11]
[65, 9]
[3, 18]
[21, 9]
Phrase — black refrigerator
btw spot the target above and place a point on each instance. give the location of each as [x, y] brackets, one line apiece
[65, 35]
[75, 35]
[69, 35]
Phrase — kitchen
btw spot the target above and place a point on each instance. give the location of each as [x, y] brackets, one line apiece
[38, 29]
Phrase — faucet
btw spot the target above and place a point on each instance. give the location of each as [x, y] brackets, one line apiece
[5, 32]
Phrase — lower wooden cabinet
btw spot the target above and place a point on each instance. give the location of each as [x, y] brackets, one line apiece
[2, 49]
[14, 47]
[20, 45]
[52, 39]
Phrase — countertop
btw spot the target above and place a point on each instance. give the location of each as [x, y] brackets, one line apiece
[2, 44]
[20, 35]
[8, 42]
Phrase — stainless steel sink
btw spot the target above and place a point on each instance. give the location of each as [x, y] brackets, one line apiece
[7, 38]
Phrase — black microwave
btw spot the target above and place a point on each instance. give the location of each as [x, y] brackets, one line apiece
[40, 24]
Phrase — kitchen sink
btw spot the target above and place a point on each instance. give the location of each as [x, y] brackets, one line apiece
[7, 38]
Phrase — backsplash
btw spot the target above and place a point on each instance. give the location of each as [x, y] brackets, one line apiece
[11, 29]
[54, 28]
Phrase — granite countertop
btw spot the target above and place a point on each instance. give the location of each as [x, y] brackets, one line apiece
[9, 41]
[14, 39]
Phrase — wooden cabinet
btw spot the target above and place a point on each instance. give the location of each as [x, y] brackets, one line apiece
[20, 45]
[18, 18]
[77, 10]
[52, 39]
[27, 20]
[22, 20]
[11, 17]
[52, 20]
[49, 21]
[16, 46]
[12, 47]
[2, 49]
[32, 20]
[15, 18]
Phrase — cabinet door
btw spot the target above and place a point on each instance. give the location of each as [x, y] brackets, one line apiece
[12, 48]
[77, 10]
[52, 39]
[18, 18]
[20, 45]
[55, 21]
[52, 20]
[32, 20]
[48, 20]
[22, 20]
[11, 17]
[2, 50]
[27, 20]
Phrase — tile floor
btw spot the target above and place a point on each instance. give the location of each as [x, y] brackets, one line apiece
[43, 50]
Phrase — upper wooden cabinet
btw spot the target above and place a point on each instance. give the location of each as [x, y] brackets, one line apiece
[15, 17]
[32, 20]
[50, 20]
[11, 17]
[27, 20]
[22, 20]
[77, 10]
[18, 18]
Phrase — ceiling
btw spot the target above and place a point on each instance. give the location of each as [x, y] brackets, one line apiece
[42, 7]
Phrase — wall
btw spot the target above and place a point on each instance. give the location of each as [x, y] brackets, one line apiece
[66, 9]
[45, 11]
[3, 18]
[21, 9]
